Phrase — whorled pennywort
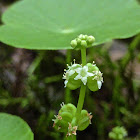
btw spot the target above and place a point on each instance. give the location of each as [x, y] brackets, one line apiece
[77, 74]
[69, 118]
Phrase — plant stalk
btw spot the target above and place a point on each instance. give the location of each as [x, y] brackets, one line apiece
[83, 56]
[83, 87]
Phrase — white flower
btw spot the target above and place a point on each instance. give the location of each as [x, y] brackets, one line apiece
[71, 70]
[83, 74]
[98, 77]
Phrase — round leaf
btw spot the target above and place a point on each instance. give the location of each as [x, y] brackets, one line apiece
[14, 128]
[52, 24]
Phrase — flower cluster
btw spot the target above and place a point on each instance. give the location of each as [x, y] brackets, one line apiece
[66, 120]
[82, 41]
[88, 75]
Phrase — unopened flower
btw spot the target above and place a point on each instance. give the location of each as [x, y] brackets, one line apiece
[82, 41]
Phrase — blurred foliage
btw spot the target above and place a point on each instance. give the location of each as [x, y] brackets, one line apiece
[118, 133]
[31, 87]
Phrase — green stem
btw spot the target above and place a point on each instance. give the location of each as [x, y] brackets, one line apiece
[83, 87]
[81, 100]
[83, 56]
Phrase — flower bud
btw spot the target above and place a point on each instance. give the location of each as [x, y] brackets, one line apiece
[83, 44]
[78, 41]
[81, 36]
[73, 43]
[91, 39]
[82, 41]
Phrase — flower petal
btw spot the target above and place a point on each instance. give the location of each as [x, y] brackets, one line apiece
[90, 74]
[99, 83]
[71, 72]
[84, 80]
[78, 70]
[85, 68]
[77, 77]
[66, 82]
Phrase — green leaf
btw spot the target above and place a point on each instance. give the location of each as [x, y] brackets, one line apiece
[14, 128]
[52, 24]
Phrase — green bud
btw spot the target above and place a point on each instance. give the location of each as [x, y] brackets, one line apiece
[78, 41]
[86, 37]
[81, 36]
[91, 39]
[73, 43]
[84, 43]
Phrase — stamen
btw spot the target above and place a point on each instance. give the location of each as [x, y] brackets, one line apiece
[74, 61]
[62, 104]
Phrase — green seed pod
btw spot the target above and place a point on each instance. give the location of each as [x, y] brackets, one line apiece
[64, 117]
[92, 84]
[73, 84]
[74, 121]
[84, 121]
[60, 124]
[67, 116]
[70, 108]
